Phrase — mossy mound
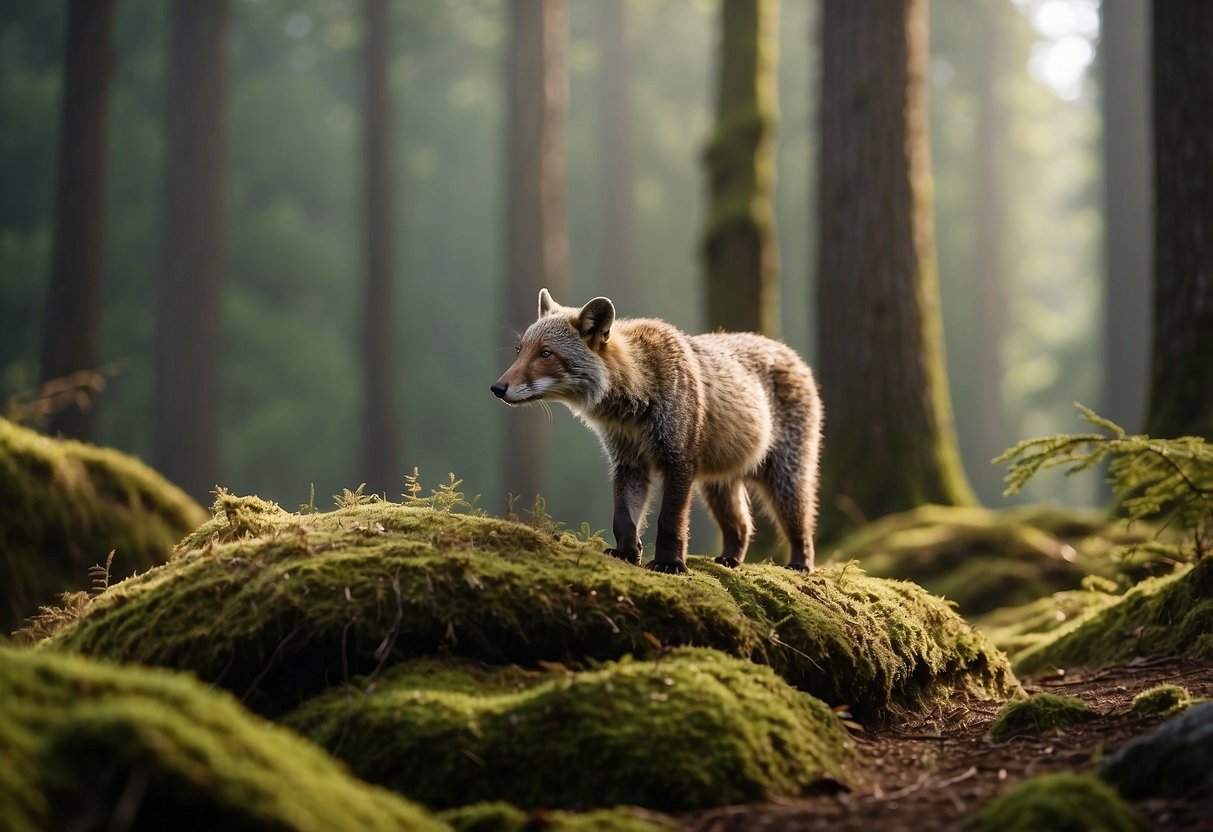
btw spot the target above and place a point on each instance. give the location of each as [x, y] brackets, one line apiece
[85, 743]
[695, 729]
[276, 607]
[1161, 700]
[66, 506]
[984, 559]
[1042, 712]
[1170, 616]
[1065, 802]
[502, 817]
[1016, 630]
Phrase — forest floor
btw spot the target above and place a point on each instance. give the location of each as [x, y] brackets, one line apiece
[937, 773]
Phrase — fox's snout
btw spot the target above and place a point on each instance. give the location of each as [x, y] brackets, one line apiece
[499, 389]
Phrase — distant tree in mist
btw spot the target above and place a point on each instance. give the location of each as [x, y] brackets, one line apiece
[188, 351]
[1181, 371]
[989, 268]
[616, 174]
[740, 254]
[71, 340]
[890, 439]
[536, 235]
[380, 432]
[1125, 65]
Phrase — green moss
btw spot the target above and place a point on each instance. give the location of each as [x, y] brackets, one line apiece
[1042, 712]
[277, 606]
[692, 730]
[502, 817]
[66, 505]
[1161, 700]
[1016, 630]
[85, 741]
[1170, 616]
[1065, 802]
[985, 559]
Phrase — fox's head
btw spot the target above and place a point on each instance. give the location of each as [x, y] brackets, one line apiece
[560, 355]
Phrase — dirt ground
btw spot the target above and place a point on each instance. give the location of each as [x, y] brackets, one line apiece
[937, 773]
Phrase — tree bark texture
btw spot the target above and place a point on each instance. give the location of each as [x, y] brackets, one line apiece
[188, 350]
[537, 248]
[1125, 63]
[381, 427]
[1181, 371]
[890, 439]
[71, 340]
[741, 257]
[616, 172]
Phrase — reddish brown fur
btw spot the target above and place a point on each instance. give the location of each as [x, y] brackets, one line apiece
[735, 412]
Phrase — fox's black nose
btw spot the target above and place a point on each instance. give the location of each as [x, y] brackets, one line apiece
[499, 389]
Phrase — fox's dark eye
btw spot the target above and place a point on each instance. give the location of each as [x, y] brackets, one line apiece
[545, 353]
[518, 348]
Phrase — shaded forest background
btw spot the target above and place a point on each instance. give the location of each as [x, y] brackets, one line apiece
[1017, 146]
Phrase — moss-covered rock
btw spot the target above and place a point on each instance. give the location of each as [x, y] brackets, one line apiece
[1175, 760]
[66, 506]
[693, 730]
[502, 817]
[1065, 802]
[1160, 700]
[1170, 616]
[84, 742]
[1042, 712]
[984, 559]
[1016, 630]
[276, 606]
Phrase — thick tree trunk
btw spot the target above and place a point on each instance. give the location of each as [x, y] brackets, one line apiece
[1181, 372]
[537, 249]
[890, 440]
[739, 244]
[616, 176]
[380, 431]
[188, 349]
[71, 341]
[1125, 44]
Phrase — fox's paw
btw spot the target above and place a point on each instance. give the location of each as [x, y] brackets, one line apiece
[732, 563]
[799, 567]
[669, 567]
[628, 557]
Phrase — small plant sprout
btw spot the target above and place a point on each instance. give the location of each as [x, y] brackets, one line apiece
[349, 499]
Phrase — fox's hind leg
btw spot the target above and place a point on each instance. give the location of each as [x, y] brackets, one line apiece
[788, 480]
[730, 505]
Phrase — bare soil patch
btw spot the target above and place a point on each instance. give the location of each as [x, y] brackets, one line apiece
[937, 772]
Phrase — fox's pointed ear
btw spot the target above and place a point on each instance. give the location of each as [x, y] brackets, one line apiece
[595, 319]
[546, 305]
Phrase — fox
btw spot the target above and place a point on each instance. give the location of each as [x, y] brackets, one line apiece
[735, 413]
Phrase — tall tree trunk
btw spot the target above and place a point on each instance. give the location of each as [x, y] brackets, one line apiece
[991, 320]
[537, 248]
[890, 440]
[186, 443]
[1181, 372]
[1124, 41]
[741, 257]
[616, 175]
[380, 451]
[71, 340]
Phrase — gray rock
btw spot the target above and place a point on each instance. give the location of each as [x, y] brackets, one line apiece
[1173, 760]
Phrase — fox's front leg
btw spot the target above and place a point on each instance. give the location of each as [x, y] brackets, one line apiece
[674, 521]
[631, 487]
